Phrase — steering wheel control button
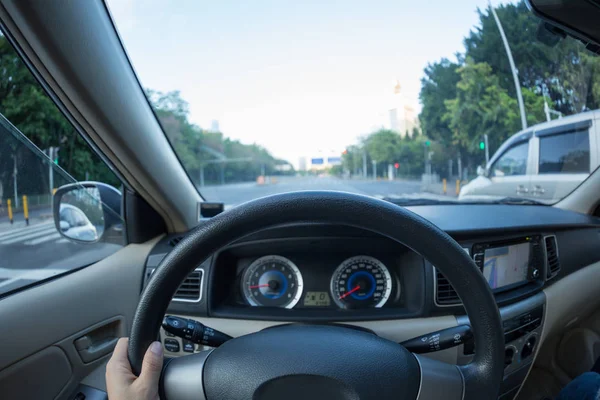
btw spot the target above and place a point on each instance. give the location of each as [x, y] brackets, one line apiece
[172, 345]
[188, 346]
[439, 340]
[194, 331]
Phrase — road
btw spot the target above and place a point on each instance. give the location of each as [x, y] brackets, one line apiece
[38, 251]
[239, 193]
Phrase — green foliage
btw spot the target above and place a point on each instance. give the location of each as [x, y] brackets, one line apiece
[199, 149]
[25, 104]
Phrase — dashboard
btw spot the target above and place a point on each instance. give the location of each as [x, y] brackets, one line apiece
[323, 273]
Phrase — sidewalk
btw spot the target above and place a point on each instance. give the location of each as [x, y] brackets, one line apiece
[438, 188]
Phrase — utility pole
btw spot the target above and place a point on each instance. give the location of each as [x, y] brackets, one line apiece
[364, 164]
[512, 67]
[50, 169]
[487, 150]
[15, 180]
[374, 170]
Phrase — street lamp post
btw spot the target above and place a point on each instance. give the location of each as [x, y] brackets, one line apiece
[512, 67]
[374, 170]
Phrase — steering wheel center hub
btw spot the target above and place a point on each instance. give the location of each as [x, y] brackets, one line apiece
[303, 361]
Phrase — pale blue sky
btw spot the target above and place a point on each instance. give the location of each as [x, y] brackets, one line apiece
[295, 77]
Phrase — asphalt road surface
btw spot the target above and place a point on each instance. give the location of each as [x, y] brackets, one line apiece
[239, 193]
[31, 253]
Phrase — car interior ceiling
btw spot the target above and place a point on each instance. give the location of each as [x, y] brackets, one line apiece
[318, 248]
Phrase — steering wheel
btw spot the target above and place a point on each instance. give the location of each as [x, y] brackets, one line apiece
[317, 361]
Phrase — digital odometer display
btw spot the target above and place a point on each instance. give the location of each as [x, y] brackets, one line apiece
[361, 282]
[272, 281]
[316, 299]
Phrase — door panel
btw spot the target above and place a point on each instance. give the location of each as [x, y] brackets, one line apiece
[53, 315]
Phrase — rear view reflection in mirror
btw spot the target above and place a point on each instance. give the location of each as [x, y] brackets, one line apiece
[81, 215]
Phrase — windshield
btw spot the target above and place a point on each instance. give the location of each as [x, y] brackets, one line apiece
[414, 102]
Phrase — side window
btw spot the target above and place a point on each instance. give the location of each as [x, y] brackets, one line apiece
[512, 162]
[40, 152]
[567, 153]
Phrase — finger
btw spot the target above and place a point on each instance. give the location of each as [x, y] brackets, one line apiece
[118, 366]
[152, 365]
[119, 358]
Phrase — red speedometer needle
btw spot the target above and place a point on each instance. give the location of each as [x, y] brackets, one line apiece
[350, 292]
[259, 286]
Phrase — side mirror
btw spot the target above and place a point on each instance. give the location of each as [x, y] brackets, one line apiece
[64, 225]
[87, 212]
[480, 170]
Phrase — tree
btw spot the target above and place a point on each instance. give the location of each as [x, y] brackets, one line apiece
[482, 106]
[438, 86]
[383, 146]
[567, 72]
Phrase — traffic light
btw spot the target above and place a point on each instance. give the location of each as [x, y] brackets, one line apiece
[428, 143]
[55, 154]
[481, 145]
[345, 152]
[396, 165]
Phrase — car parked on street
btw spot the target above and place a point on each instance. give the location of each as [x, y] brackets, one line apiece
[544, 162]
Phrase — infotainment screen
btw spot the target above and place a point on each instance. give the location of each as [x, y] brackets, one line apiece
[507, 265]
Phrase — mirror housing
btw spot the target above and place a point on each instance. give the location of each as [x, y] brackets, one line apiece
[87, 212]
[576, 18]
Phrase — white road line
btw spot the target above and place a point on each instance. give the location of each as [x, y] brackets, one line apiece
[29, 236]
[28, 229]
[63, 240]
[42, 239]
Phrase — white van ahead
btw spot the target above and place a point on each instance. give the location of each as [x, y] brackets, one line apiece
[544, 162]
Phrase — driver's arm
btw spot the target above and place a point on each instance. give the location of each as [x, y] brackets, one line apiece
[122, 384]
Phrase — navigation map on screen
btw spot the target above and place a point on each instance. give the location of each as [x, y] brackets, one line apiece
[507, 265]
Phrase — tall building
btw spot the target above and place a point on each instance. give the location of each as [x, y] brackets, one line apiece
[402, 116]
[214, 126]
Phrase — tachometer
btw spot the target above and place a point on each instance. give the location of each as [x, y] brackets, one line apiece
[272, 281]
[360, 282]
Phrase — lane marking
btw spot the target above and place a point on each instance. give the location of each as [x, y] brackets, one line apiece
[37, 234]
[42, 239]
[11, 233]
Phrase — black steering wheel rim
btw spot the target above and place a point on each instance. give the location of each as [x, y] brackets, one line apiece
[482, 376]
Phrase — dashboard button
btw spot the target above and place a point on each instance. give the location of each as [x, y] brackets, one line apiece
[172, 345]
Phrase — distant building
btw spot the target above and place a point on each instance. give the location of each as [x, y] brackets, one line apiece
[302, 164]
[214, 126]
[402, 116]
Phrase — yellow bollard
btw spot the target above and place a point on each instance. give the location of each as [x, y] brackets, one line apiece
[26, 210]
[457, 186]
[444, 183]
[54, 191]
[9, 205]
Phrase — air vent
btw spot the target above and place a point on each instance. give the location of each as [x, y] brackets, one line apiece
[552, 262]
[445, 293]
[173, 242]
[190, 289]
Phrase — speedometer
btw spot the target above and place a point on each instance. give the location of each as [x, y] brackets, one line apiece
[360, 282]
[272, 281]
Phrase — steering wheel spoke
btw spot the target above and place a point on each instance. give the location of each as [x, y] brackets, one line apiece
[183, 377]
[439, 380]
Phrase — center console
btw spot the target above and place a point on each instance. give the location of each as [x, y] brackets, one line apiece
[522, 324]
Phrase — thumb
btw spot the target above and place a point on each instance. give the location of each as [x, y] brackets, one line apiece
[152, 366]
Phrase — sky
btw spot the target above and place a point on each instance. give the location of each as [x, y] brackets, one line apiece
[297, 77]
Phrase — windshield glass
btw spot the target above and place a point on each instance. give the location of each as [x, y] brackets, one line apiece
[414, 102]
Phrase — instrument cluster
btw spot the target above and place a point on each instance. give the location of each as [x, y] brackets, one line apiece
[358, 282]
